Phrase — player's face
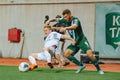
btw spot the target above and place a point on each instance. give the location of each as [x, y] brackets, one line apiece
[47, 31]
[67, 17]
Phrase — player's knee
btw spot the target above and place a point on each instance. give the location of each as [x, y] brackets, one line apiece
[90, 54]
[67, 53]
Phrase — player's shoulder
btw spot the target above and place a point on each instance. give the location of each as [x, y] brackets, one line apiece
[54, 32]
[75, 18]
[62, 20]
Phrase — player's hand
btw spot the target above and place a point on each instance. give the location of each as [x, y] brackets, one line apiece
[73, 42]
[47, 22]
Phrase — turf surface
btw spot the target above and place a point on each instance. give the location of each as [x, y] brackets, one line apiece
[12, 73]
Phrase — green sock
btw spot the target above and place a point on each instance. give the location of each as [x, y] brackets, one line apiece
[95, 62]
[74, 60]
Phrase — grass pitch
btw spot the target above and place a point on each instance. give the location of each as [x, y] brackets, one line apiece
[12, 73]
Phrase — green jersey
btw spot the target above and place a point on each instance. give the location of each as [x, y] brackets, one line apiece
[77, 34]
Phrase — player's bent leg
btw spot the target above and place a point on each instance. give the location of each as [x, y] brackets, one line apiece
[74, 60]
[33, 62]
[59, 60]
[94, 61]
[32, 59]
[65, 60]
[48, 59]
[67, 53]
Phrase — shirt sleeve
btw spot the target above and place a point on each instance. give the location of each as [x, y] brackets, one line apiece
[75, 21]
[61, 20]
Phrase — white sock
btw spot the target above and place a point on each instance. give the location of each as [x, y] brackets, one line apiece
[32, 60]
[48, 56]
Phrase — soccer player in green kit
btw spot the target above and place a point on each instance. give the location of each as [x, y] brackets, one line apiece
[74, 29]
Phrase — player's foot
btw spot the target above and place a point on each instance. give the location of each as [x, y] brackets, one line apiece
[100, 72]
[80, 68]
[32, 67]
[50, 65]
[66, 63]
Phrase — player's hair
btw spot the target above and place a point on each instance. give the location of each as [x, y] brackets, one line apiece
[66, 11]
[58, 16]
[47, 26]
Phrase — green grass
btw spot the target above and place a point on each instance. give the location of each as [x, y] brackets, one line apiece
[12, 73]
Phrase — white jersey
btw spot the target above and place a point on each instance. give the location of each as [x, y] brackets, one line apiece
[52, 39]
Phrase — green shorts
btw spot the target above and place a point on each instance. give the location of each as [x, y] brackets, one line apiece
[83, 45]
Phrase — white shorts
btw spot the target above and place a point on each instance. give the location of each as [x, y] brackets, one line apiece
[42, 57]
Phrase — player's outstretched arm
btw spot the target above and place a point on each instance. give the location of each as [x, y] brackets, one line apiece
[53, 28]
[74, 26]
[68, 38]
[52, 20]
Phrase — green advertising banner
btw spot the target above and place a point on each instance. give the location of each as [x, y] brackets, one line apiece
[113, 29]
[107, 39]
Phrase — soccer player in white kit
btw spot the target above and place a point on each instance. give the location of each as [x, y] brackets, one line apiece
[50, 45]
